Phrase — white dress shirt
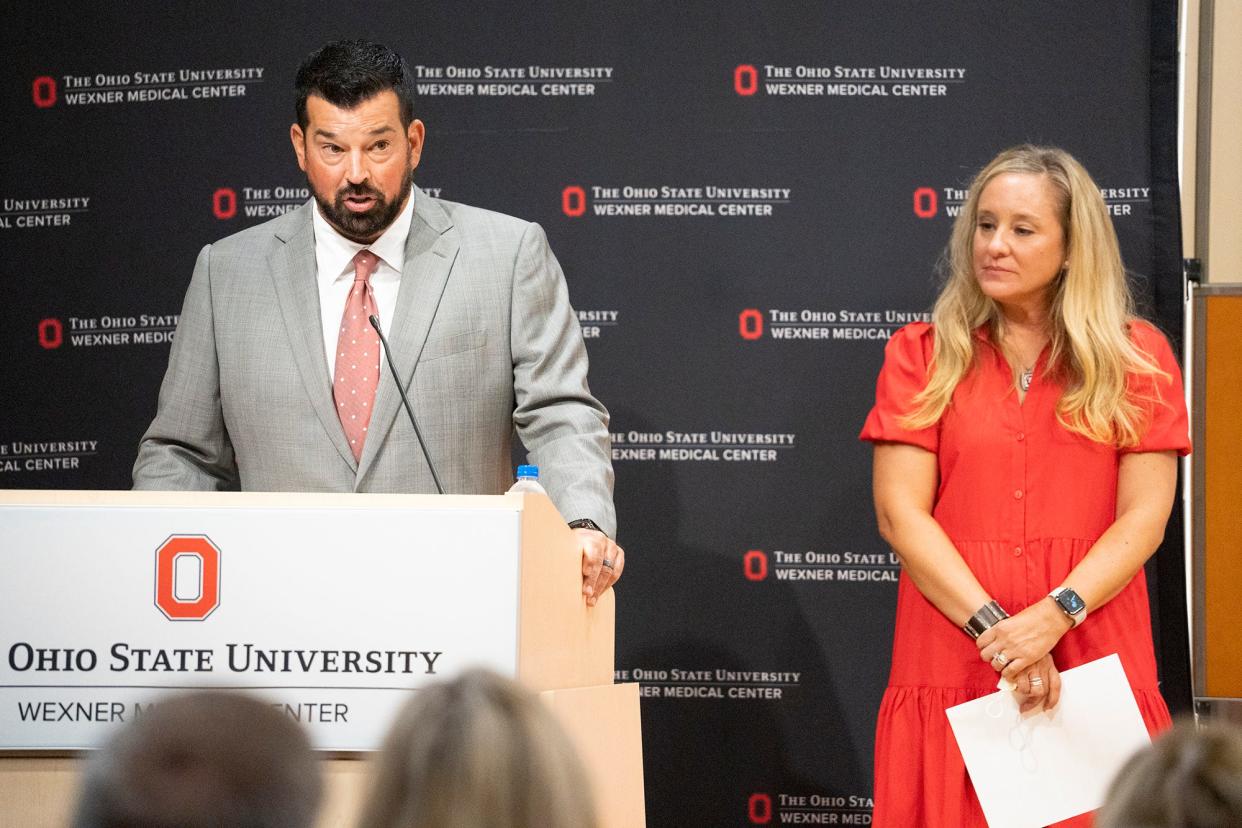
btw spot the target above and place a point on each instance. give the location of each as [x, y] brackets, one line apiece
[334, 260]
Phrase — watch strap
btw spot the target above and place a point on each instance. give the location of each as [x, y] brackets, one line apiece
[584, 523]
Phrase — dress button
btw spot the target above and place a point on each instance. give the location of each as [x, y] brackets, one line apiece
[1017, 494]
[1017, 551]
[1021, 436]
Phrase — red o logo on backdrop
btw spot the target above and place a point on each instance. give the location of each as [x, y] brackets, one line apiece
[750, 324]
[201, 557]
[759, 809]
[745, 80]
[925, 202]
[224, 203]
[43, 90]
[573, 201]
[51, 333]
[755, 565]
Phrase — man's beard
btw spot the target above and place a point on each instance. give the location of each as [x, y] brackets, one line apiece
[367, 226]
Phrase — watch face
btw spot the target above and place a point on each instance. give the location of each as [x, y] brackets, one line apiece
[1070, 602]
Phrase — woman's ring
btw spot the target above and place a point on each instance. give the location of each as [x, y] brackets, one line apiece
[1000, 658]
[1036, 681]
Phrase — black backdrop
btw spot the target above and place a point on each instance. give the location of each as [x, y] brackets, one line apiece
[747, 198]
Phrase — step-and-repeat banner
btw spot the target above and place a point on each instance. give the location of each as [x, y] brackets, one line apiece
[747, 199]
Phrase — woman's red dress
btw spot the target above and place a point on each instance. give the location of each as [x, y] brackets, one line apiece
[1023, 500]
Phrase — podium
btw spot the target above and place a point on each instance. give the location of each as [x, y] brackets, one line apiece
[335, 607]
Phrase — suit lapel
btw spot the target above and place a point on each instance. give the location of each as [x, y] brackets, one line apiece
[293, 268]
[430, 251]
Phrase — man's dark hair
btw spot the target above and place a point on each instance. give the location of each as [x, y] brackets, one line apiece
[203, 759]
[347, 72]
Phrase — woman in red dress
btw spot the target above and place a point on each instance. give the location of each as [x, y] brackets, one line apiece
[1025, 466]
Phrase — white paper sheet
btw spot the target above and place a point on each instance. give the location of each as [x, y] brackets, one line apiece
[1034, 771]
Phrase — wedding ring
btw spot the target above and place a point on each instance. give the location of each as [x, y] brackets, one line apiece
[1036, 681]
[1001, 659]
[607, 564]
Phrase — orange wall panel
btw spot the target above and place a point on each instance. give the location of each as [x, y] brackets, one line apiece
[1221, 456]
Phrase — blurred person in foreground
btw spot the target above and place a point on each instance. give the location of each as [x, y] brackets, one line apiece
[1188, 778]
[200, 760]
[1025, 466]
[479, 751]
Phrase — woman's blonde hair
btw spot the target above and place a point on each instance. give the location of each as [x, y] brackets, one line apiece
[1090, 315]
[479, 751]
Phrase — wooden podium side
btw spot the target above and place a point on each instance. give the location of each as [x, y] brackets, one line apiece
[563, 642]
[564, 651]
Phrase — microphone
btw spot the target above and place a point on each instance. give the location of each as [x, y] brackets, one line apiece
[375, 323]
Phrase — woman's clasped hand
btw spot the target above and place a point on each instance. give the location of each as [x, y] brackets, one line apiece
[1020, 649]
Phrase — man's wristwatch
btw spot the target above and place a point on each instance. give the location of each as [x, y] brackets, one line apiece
[585, 523]
[1070, 603]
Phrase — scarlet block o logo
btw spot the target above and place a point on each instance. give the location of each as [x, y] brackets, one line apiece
[755, 565]
[181, 550]
[51, 333]
[750, 324]
[224, 203]
[759, 809]
[573, 201]
[44, 91]
[745, 80]
[925, 202]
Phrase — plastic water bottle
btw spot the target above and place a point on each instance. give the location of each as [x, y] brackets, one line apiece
[527, 481]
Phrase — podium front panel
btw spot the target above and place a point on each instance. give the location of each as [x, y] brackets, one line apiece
[335, 614]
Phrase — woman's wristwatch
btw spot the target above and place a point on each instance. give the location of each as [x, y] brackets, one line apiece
[989, 615]
[1070, 603]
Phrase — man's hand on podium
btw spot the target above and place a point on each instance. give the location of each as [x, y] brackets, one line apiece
[602, 562]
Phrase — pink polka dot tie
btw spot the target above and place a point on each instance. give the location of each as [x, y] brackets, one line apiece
[357, 356]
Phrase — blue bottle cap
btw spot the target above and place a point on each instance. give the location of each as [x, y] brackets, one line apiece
[528, 471]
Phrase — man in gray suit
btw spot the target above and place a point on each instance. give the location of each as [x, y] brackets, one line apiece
[274, 381]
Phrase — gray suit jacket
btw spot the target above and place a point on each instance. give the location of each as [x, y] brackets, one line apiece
[483, 334]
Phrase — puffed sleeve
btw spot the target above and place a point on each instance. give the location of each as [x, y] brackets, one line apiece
[1168, 427]
[904, 374]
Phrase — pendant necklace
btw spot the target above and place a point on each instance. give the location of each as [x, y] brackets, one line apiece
[1025, 379]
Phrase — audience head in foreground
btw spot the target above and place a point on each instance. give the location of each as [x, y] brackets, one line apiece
[203, 759]
[478, 752]
[1189, 778]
